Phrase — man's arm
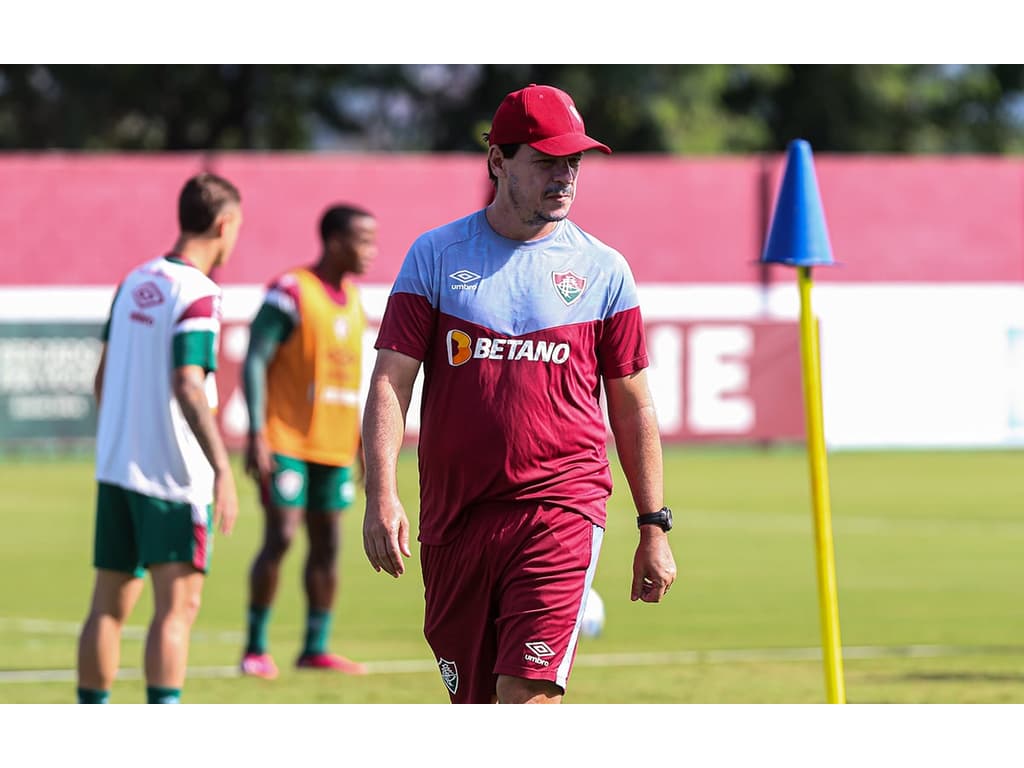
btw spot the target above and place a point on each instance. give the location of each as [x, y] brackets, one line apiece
[269, 329]
[97, 384]
[385, 524]
[638, 444]
[189, 386]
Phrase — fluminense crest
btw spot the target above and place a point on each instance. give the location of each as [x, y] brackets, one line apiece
[449, 674]
[569, 285]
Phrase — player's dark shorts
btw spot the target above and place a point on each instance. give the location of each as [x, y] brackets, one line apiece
[318, 487]
[505, 596]
[134, 531]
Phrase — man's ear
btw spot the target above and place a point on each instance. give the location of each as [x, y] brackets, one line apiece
[496, 159]
[221, 222]
[333, 243]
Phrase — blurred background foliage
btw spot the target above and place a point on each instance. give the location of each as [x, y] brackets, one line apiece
[693, 109]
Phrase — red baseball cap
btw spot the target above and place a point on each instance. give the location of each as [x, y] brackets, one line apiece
[543, 117]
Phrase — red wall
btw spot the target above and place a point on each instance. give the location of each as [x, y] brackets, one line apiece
[86, 219]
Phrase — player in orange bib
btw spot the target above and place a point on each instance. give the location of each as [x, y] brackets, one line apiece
[302, 378]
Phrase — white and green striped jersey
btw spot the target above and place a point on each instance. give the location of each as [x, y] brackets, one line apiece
[166, 314]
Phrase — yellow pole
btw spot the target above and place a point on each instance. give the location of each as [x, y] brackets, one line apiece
[825, 558]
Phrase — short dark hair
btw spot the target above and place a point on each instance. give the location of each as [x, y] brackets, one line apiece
[337, 220]
[508, 150]
[202, 199]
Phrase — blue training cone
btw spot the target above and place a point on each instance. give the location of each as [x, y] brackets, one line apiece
[798, 235]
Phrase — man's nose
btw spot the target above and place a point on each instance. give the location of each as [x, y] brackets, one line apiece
[564, 170]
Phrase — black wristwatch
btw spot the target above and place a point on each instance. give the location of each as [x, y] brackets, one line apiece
[662, 518]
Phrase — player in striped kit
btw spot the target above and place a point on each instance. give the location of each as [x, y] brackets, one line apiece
[519, 319]
[302, 377]
[161, 465]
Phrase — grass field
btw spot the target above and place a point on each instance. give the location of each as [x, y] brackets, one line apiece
[929, 569]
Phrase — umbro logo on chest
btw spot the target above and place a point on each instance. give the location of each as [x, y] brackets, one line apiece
[464, 280]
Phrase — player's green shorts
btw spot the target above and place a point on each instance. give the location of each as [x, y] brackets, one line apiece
[318, 487]
[134, 531]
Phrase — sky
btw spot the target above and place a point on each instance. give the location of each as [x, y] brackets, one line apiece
[458, 31]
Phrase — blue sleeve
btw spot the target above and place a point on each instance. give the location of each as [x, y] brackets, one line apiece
[418, 274]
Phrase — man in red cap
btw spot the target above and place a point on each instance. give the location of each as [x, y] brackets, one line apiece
[518, 318]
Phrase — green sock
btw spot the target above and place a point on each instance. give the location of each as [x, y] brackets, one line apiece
[156, 694]
[91, 696]
[259, 619]
[318, 629]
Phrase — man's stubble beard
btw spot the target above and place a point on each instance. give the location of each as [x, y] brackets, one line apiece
[537, 218]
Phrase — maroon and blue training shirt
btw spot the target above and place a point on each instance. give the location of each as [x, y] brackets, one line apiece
[514, 338]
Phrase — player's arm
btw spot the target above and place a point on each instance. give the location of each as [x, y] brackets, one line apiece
[188, 382]
[638, 444]
[360, 477]
[97, 384]
[270, 328]
[385, 525]
[194, 357]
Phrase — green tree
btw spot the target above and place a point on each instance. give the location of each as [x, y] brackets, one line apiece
[683, 109]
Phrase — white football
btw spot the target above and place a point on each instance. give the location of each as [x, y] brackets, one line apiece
[593, 615]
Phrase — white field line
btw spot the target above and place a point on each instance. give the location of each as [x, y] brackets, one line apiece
[415, 666]
[842, 523]
[129, 632]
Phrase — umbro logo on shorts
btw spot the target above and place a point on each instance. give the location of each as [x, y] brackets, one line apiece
[538, 652]
[540, 648]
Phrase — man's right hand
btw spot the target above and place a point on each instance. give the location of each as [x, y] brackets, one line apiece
[386, 535]
[259, 463]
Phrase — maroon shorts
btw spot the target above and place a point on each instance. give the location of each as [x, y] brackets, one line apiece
[506, 595]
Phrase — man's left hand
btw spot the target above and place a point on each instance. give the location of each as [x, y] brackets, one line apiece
[654, 567]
